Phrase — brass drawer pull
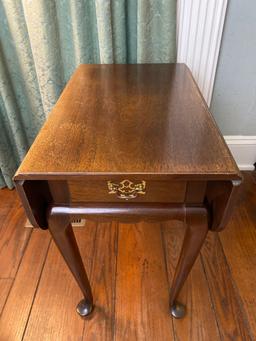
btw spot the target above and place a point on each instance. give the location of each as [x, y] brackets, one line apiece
[126, 189]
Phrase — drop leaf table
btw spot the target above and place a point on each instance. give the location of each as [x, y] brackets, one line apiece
[131, 143]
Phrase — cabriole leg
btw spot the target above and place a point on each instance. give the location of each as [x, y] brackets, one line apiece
[63, 235]
[196, 231]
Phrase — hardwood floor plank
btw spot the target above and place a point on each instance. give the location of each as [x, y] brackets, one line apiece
[4, 211]
[8, 198]
[199, 322]
[142, 290]
[53, 315]
[239, 241]
[13, 241]
[252, 174]
[103, 281]
[17, 308]
[5, 286]
[232, 322]
[247, 197]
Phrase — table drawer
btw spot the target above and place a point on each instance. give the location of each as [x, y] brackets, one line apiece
[127, 190]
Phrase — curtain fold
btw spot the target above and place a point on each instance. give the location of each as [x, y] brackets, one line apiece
[43, 41]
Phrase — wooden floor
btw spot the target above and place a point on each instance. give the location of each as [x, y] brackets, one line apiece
[130, 268]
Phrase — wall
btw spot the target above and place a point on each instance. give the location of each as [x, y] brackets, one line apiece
[234, 96]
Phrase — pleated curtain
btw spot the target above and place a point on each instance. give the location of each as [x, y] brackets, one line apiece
[43, 41]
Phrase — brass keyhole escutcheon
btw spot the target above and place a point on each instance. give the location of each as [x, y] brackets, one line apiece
[126, 189]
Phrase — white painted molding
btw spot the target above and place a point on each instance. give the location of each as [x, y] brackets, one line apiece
[243, 148]
[199, 31]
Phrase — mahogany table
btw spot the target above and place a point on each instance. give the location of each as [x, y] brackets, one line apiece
[129, 142]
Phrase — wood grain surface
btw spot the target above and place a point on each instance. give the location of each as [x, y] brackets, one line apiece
[129, 119]
[16, 311]
[201, 321]
[155, 191]
[219, 293]
[13, 241]
[57, 303]
[142, 291]
[239, 240]
[5, 286]
[230, 314]
[101, 326]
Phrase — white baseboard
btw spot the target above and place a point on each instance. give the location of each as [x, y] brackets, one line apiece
[243, 149]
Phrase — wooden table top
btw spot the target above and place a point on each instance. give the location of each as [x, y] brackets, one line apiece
[129, 119]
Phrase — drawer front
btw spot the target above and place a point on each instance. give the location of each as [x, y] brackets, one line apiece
[127, 190]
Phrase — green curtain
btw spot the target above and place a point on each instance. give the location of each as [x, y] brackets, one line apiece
[43, 41]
